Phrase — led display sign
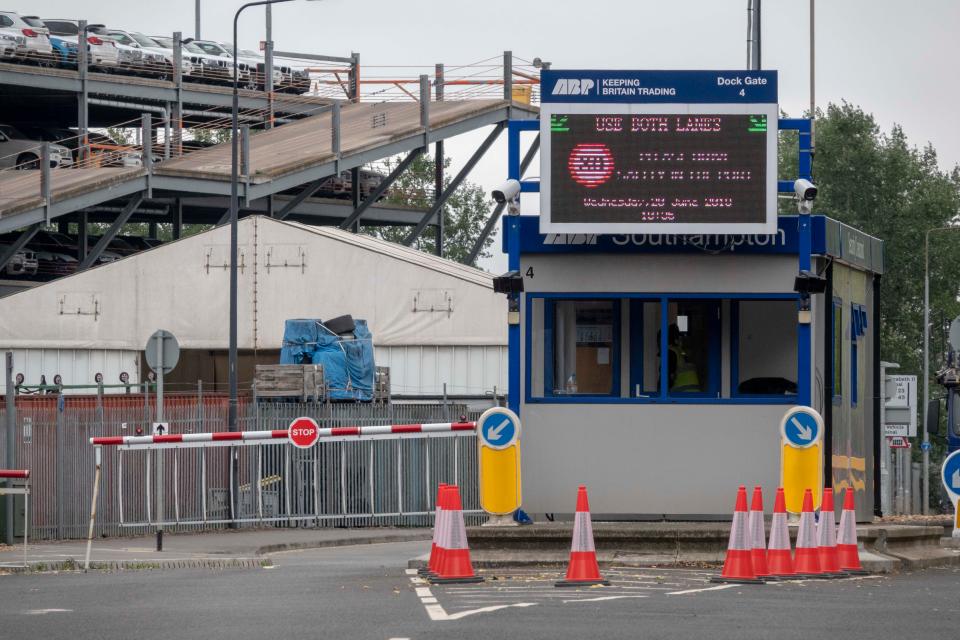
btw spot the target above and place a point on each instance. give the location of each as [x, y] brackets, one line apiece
[622, 156]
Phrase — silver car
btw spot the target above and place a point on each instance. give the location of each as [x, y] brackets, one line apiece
[156, 60]
[19, 152]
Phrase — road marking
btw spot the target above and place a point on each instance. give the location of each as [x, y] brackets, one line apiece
[603, 598]
[40, 612]
[717, 588]
[423, 592]
[437, 613]
[411, 572]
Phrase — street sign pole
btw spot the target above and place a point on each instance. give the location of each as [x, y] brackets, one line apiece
[159, 482]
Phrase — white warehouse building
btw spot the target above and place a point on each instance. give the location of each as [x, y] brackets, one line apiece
[434, 321]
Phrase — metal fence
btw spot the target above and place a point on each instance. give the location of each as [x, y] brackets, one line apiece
[336, 483]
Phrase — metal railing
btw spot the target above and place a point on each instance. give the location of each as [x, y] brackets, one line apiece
[52, 440]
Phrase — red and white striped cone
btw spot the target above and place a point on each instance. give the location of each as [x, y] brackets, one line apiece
[758, 539]
[847, 546]
[779, 560]
[454, 566]
[582, 569]
[827, 538]
[738, 565]
[438, 514]
[807, 558]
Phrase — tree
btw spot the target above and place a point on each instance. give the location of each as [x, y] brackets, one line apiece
[880, 184]
[464, 213]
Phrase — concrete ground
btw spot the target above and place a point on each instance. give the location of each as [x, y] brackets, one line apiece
[212, 549]
[365, 591]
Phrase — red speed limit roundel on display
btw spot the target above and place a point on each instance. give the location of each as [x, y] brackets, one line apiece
[590, 164]
[304, 433]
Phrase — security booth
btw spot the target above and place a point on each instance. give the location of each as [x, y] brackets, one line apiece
[664, 317]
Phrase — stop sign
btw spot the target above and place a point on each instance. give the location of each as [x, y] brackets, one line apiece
[304, 433]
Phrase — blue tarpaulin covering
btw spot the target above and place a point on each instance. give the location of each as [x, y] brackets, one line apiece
[348, 366]
[299, 340]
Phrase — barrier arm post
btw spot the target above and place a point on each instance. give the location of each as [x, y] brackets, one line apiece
[93, 507]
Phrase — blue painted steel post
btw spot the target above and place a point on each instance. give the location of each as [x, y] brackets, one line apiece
[803, 328]
[512, 228]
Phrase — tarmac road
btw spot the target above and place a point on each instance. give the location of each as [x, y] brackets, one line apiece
[365, 591]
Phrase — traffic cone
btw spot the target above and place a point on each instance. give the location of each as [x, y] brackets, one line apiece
[454, 564]
[807, 558]
[431, 567]
[738, 565]
[779, 560]
[847, 547]
[827, 538]
[582, 569]
[758, 540]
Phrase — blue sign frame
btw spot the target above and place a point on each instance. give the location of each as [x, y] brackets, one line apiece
[664, 87]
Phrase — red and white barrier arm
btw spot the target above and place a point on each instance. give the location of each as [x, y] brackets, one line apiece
[21, 474]
[278, 436]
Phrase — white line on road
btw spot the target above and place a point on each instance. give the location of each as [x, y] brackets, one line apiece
[40, 612]
[437, 613]
[716, 588]
[603, 598]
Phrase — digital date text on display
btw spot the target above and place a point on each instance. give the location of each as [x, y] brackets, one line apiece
[616, 166]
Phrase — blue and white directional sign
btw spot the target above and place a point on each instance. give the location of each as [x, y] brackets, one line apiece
[950, 474]
[661, 152]
[499, 428]
[801, 427]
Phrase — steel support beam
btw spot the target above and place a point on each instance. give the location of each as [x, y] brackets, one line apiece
[83, 235]
[498, 210]
[22, 240]
[358, 212]
[110, 233]
[308, 191]
[454, 184]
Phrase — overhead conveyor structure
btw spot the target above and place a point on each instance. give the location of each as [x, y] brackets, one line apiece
[281, 167]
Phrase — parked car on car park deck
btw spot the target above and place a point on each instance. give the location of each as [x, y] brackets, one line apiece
[101, 53]
[36, 46]
[20, 152]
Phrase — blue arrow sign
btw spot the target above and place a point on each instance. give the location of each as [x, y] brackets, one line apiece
[498, 430]
[801, 429]
[950, 473]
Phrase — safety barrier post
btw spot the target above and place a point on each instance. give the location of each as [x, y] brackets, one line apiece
[146, 147]
[82, 107]
[335, 135]
[45, 179]
[508, 75]
[93, 506]
[178, 88]
[245, 150]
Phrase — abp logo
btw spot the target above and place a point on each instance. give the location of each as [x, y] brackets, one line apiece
[573, 87]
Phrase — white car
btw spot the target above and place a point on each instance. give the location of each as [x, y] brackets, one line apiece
[249, 70]
[101, 52]
[37, 45]
[12, 42]
[152, 52]
[205, 67]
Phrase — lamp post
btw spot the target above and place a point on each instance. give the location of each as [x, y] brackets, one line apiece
[234, 180]
[926, 362]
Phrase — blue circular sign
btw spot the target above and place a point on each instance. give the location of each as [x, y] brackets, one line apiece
[950, 473]
[801, 427]
[499, 428]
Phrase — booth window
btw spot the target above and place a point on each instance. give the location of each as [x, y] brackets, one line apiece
[837, 331]
[661, 348]
[693, 346]
[582, 347]
[764, 345]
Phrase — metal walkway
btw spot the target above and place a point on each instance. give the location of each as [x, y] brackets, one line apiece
[279, 159]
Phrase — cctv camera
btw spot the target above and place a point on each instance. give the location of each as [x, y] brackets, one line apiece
[805, 189]
[509, 190]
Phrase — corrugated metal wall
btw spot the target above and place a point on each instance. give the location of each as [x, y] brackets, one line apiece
[75, 366]
[466, 370]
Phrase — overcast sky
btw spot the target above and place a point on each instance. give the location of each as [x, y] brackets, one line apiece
[894, 58]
